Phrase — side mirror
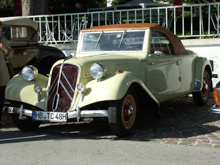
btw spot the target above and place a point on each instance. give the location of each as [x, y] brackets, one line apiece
[6, 32]
[158, 53]
[72, 55]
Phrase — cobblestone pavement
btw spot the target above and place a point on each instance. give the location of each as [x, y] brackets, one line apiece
[183, 123]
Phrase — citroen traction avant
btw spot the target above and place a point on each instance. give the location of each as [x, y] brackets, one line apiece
[116, 68]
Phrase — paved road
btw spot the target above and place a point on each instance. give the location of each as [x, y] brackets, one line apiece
[187, 134]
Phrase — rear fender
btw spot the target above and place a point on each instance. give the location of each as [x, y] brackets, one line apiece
[203, 63]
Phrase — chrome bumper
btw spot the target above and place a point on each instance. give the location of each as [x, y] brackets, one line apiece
[215, 109]
[71, 115]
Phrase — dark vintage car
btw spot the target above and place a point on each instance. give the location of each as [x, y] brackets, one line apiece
[115, 70]
[22, 35]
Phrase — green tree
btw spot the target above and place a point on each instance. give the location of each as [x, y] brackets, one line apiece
[58, 4]
[7, 4]
[117, 2]
[6, 8]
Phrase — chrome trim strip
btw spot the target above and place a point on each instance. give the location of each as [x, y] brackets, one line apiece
[66, 91]
[71, 115]
[58, 81]
[68, 82]
[88, 113]
[52, 87]
[55, 98]
[58, 86]
[51, 92]
[16, 110]
[55, 80]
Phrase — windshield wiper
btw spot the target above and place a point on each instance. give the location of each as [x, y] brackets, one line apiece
[99, 39]
[123, 35]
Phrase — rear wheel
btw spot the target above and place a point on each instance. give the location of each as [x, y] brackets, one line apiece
[202, 97]
[25, 125]
[123, 114]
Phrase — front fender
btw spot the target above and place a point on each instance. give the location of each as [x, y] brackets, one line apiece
[21, 90]
[201, 64]
[111, 88]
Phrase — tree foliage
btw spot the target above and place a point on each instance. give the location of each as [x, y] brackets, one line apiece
[59, 4]
[6, 3]
[117, 2]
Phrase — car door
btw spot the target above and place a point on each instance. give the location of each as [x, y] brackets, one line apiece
[163, 76]
[186, 65]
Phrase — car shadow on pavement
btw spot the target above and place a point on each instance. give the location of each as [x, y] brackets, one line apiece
[181, 119]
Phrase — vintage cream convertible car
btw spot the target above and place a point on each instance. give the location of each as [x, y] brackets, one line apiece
[115, 69]
[22, 35]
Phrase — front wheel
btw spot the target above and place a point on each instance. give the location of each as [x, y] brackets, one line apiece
[123, 114]
[202, 97]
[25, 125]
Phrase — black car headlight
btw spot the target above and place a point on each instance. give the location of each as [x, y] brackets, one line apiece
[29, 72]
[96, 70]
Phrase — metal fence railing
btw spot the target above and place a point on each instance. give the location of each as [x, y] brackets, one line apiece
[186, 21]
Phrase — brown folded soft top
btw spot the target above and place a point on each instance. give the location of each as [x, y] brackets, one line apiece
[176, 42]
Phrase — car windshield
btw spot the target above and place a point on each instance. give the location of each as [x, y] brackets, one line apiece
[113, 41]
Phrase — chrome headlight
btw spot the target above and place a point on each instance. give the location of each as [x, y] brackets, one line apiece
[29, 72]
[96, 70]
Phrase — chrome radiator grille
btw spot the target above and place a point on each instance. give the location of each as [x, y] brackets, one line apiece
[62, 87]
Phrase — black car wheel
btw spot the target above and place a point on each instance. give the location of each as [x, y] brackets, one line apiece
[123, 114]
[202, 97]
[25, 125]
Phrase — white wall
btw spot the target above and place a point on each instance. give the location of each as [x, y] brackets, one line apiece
[209, 48]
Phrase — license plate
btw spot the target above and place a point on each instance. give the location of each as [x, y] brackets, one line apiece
[49, 116]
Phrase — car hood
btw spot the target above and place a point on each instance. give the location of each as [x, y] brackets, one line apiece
[111, 63]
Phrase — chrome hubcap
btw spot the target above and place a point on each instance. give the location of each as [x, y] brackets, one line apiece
[128, 113]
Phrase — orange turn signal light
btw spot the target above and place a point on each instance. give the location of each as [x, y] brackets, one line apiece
[119, 71]
[215, 95]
